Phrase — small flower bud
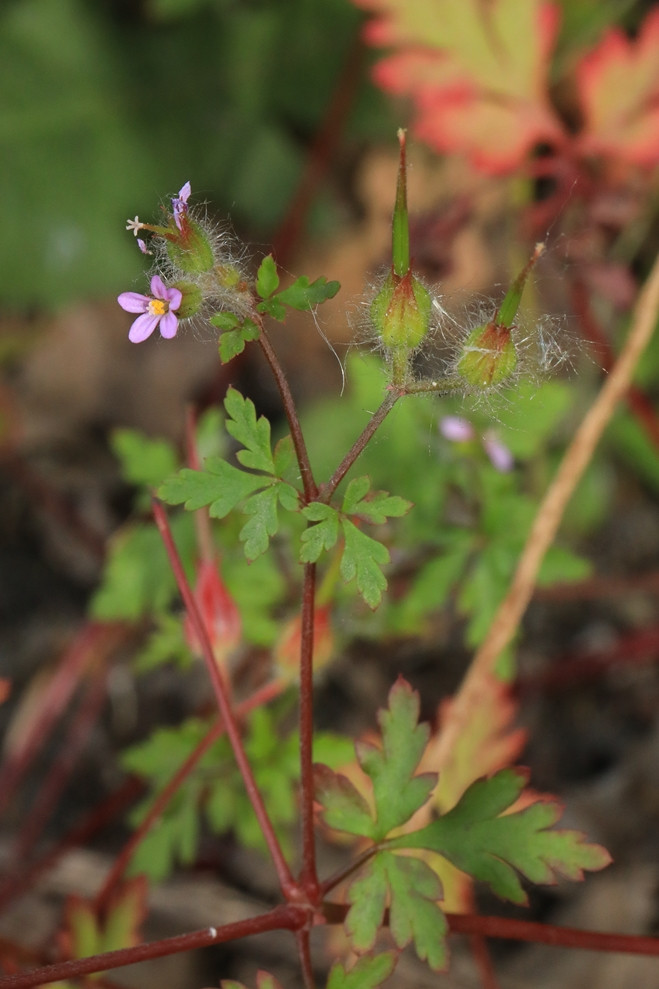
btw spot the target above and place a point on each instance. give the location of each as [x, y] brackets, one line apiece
[219, 613]
[189, 247]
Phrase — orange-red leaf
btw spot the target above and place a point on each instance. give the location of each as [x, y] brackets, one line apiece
[476, 73]
[619, 88]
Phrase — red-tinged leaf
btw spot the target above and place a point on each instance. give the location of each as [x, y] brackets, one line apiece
[483, 837]
[619, 89]
[476, 73]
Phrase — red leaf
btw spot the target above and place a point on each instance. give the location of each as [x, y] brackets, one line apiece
[619, 88]
[476, 73]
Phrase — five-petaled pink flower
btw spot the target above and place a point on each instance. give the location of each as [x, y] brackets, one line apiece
[157, 309]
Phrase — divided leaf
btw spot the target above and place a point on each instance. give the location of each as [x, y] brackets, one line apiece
[219, 485]
[397, 792]
[233, 340]
[477, 73]
[493, 846]
[363, 558]
[619, 88]
[267, 278]
[411, 889]
[253, 433]
[303, 294]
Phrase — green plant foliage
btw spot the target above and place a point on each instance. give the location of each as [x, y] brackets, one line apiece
[480, 835]
[481, 839]
[235, 336]
[362, 557]
[222, 487]
[215, 792]
[137, 579]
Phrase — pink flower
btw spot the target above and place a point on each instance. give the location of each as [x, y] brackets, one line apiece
[459, 430]
[157, 309]
[180, 204]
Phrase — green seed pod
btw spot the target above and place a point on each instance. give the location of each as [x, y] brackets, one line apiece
[488, 356]
[401, 312]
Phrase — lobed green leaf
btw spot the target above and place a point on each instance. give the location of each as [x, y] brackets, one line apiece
[267, 278]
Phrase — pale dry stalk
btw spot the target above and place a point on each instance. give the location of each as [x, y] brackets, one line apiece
[549, 515]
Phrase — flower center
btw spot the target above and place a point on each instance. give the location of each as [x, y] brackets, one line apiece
[158, 307]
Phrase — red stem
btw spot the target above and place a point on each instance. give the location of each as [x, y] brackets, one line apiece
[290, 411]
[286, 882]
[281, 918]
[308, 876]
[327, 490]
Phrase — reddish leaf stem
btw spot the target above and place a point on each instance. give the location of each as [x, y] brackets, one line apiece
[286, 882]
[287, 917]
[327, 490]
[308, 877]
[290, 411]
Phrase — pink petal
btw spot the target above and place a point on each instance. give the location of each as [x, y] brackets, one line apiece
[133, 301]
[456, 429]
[143, 327]
[158, 288]
[168, 325]
[174, 297]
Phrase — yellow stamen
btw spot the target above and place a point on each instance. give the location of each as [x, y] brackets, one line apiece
[158, 307]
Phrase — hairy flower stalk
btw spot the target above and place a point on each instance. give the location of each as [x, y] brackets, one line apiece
[402, 307]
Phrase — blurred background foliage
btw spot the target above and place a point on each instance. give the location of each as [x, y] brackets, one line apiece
[108, 105]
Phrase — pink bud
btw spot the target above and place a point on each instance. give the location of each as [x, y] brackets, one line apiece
[219, 613]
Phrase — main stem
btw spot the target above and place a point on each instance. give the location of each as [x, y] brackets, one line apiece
[308, 876]
[308, 482]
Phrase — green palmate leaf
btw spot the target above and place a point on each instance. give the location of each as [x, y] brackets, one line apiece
[233, 340]
[267, 278]
[219, 485]
[367, 973]
[321, 536]
[412, 889]
[253, 433]
[303, 294]
[490, 845]
[363, 558]
[263, 523]
[273, 307]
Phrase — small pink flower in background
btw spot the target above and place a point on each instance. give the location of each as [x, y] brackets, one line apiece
[180, 204]
[157, 310]
[219, 613]
[459, 430]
